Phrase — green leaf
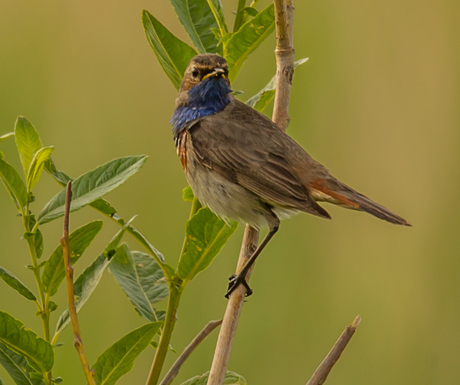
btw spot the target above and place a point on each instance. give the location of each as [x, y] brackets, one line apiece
[206, 235]
[187, 194]
[197, 19]
[38, 243]
[231, 378]
[27, 141]
[83, 288]
[93, 185]
[14, 184]
[16, 284]
[17, 367]
[101, 204]
[119, 358]
[39, 353]
[218, 11]
[36, 166]
[261, 100]
[79, 240]
[247, 39]
[6, 136]
[89, 279]
[141, 279]
[145, 242]
[172, 53]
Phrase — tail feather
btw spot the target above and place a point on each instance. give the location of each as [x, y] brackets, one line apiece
[336, 192]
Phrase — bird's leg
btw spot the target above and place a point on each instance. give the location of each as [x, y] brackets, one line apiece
[240, 279]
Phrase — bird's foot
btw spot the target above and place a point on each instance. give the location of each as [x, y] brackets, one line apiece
[235, 281]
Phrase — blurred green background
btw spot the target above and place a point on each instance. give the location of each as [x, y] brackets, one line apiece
[377, 103]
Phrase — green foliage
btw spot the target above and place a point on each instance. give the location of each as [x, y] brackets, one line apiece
[16, 284]
[93, 185]
[39, 353]
[172, 53]
[206, 234]
[141, 279]
[14, 185]
[218, 11]
[263, 98]
[187, 194]
[198, 19]
[79, 240]
[18, 368]
[119, 358]
[36, 166]
[231, 378]
[6, 136]
[243, 42]
[27, 141]
[89, 279]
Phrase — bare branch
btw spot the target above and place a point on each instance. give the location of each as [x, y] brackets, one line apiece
[174, 371]
[333, 356]
[284, 17]
[78, 343]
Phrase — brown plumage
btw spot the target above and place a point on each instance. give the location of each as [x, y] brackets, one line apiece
[242, 166]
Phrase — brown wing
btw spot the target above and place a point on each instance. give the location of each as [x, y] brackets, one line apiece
[249, 149]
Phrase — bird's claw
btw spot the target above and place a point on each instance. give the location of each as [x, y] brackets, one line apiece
[235, 281]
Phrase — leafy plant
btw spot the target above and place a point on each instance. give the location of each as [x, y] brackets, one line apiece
[144, 276]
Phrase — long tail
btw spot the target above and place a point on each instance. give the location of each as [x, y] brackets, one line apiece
[334, 191]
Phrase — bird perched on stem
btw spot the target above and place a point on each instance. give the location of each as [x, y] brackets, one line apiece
[242, 166]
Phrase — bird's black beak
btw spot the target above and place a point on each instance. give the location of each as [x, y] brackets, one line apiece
[217, 72]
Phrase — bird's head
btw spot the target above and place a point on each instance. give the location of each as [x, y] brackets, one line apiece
[205, 69]
[204, 91]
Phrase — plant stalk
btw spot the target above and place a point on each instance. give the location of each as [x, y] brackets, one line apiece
[78, 342]
[284, 17]
[168, 327]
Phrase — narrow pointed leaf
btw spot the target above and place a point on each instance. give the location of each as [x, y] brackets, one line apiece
[141, 279]
[262, 99]
[17, 367]
[54, 270]
[36, 166]
[27, 141]
[39, 243]
[247, 39]
[101, 204]
[16, 284]
[172, 53]
[197, 19]
[93, 185]
[218, 11]
[6, 136]
[14, 184]
[89, 279]
[231, 378]
[145, 242]
[119, 358]
[206, 235]
[39, 353]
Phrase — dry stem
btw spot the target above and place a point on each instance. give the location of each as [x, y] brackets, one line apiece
[284, 17]
[78, 343]
[174, 371]
[332, 357]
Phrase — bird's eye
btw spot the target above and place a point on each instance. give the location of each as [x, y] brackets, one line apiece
[195, 73]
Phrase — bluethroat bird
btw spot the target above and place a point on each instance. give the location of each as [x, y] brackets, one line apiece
[242, 166]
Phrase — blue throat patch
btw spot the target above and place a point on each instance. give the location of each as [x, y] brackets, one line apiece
[206, 98]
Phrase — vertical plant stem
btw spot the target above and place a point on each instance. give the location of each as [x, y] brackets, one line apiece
[284, 17]
[239, 18]
[168, 327]
[78, 342]
[43, 305]
[175, 292]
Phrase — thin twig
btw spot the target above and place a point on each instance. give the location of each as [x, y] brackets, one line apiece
[333, 356]
[78, 343]
[174, 371]
[284, 16]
